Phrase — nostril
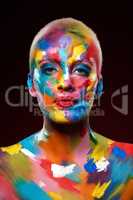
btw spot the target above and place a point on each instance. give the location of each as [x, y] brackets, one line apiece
[66, 88]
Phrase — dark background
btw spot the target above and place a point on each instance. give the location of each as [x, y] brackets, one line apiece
[20, 21]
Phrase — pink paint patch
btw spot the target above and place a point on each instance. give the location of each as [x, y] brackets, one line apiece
[41, 178]
[6, 190]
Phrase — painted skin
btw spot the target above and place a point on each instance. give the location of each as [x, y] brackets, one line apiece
[53, 165]
[30, 170]
[69, 76]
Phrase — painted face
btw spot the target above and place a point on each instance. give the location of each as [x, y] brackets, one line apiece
[65, 77]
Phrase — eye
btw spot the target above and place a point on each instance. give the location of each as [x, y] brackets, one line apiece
[81, 69]
[48, 68]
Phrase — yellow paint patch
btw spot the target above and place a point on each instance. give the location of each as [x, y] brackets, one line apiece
[55, 196]
[39, 55]
[100, 189]
[98, 153]
[58, 115]
[101, 150]
[12, 149]
[77, 52]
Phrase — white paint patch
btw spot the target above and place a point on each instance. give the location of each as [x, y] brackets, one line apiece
[102, 164]
[28, 153]
[61, 171]
[42, 184]
[36, 74]
[42, 135]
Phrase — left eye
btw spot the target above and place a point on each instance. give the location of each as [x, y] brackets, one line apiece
[81, 69]
[48, 69]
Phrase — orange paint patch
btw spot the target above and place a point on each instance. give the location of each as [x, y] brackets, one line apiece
[128, 191]
[57, 148]
[85, 188]
[48, 99]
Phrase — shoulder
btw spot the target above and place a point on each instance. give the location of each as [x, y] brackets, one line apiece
[119, 155]
[29, 143]
[15, 161]
[115, 159]
[117, 147]
[8, 163]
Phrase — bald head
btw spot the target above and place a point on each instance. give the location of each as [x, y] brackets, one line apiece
[52, 33]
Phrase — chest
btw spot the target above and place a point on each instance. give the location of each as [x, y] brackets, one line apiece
[97, 180]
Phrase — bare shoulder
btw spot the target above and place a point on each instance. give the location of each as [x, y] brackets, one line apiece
[7, 190]
[118, 147]
[15, 162]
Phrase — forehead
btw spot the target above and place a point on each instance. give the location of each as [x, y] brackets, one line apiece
[62, 46]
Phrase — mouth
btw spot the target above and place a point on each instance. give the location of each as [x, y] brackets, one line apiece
[66, 103]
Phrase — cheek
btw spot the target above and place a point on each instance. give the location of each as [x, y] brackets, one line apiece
[79, 82]
[83, 82]
[86, 85]
[48, 100]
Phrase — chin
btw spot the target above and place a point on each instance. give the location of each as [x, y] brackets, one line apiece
[77, 113]
[68, 115]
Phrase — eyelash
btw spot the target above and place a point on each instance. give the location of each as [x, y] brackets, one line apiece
[80, 69]
[48, 68]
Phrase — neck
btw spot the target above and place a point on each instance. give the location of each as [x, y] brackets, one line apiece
[77, 129]
[67, 141]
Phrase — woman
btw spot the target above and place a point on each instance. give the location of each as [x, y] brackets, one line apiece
[66, 160]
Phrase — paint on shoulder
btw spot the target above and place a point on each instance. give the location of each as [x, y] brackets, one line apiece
[11, 150]
[28, 145]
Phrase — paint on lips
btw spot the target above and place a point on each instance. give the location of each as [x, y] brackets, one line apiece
[66, 101]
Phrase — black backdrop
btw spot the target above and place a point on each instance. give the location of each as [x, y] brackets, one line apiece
[20, 21]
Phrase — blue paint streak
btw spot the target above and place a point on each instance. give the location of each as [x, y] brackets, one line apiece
[90, 166]
[42, 44]
[63, 54]
[29, 143]
[119, 152]
[28, 190]
[77, 111]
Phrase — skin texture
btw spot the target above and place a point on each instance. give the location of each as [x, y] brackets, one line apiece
[66, 160]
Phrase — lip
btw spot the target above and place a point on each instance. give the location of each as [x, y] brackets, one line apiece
[66, 101]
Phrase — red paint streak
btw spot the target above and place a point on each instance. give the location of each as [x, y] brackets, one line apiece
[93, 52]
[67, 184]
[63, 182]
[46, 164]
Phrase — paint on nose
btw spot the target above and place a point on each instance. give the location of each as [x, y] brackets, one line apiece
[66, 85]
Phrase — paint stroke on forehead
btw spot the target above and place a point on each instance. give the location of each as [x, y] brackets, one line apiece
[69, 45]
[55, 31]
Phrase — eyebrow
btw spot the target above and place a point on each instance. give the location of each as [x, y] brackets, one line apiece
[55, 61]
[59, 63]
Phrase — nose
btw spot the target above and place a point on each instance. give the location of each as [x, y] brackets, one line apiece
[66, 85]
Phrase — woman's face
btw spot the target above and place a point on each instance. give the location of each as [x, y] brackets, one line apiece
[65, 77]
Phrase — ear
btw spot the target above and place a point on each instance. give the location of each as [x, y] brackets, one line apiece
[30, 85]
[99, 88]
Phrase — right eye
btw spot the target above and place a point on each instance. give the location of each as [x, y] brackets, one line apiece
[48, 68]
